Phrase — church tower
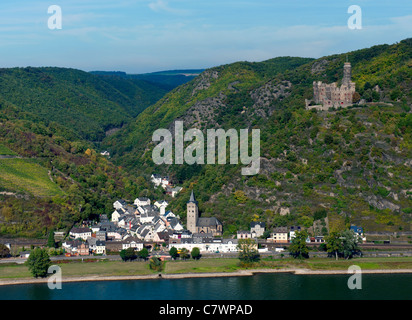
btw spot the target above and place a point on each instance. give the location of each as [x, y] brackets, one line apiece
[192, 213]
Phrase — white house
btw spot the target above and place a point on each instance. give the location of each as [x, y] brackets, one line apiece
[141, 202]
[147, 216]
[118, 204]
[97, 246]
[165, 182]
[293, 230]
[279, 235]
[244, 235]
[258, 228]
[116, 215]
[115, 234]
[174, 191]
[160, 203]
[80, 233]
[156, 179]
[169, 214]
[100, 247]
[214, 245]
[175, 224]
[132, 243]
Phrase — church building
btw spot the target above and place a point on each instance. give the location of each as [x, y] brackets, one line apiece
[195, 224]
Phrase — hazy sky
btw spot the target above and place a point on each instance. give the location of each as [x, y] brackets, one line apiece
[140, 36]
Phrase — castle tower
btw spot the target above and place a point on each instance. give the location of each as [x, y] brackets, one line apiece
[347, 74]
[192, 213]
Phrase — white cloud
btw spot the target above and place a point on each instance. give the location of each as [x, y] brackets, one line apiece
[162, 5]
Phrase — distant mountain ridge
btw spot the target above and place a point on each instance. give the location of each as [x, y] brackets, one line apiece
[169, 79]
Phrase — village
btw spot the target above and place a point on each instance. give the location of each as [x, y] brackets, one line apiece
[148, 224]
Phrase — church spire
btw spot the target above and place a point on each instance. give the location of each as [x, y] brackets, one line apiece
[192, 197]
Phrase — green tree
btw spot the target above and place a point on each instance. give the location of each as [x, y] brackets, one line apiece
[298, 247]
[248, 251]
[334, 243]
[173, 253]
[195, 253]
[350, 244]
[128, 254]
[4, 251]
[50, 241]
[184, 254]
[39, 262]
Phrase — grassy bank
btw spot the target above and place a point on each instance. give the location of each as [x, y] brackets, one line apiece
[105, 268]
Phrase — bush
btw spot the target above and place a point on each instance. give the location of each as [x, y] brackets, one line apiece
[155, 264]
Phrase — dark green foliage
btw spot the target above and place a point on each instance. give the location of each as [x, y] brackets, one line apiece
[50, 241]
[143, 254]
[39, 262]
[298, 247]
[173, 253]
[128, 254]
[343, 244]
[195, 253]
[86, 104]
[4, 251]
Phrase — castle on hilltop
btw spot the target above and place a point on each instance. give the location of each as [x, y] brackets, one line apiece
[330, 95]
[201, 225]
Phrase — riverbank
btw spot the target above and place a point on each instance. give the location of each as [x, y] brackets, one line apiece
[219, 267]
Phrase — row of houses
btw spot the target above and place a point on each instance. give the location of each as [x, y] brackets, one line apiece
[131, 225]
[206, 244]
[278, 235]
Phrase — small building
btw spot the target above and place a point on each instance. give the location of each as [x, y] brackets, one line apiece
[292, 231]
[80, 233]
[142, 202]
[279, 235]
[258, 228]
[83, 250]
[243, 235]
[156, 179]
[24, 254]
[118, 204]
[132, 242]
[359, 232]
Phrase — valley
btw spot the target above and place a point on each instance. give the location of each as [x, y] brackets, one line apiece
[321, 169]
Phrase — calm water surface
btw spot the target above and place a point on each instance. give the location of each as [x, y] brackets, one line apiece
[259, 287]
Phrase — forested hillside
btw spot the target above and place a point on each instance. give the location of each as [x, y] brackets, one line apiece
[84, 103]
[51, 123]
[318, 169]
[50, 179]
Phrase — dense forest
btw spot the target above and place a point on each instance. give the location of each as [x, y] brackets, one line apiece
[88, 105]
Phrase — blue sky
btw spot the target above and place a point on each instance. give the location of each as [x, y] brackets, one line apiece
[140, 36]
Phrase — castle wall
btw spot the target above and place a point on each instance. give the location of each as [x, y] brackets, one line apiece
[330, 95]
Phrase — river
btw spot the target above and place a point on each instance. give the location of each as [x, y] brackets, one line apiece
[279, 286]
